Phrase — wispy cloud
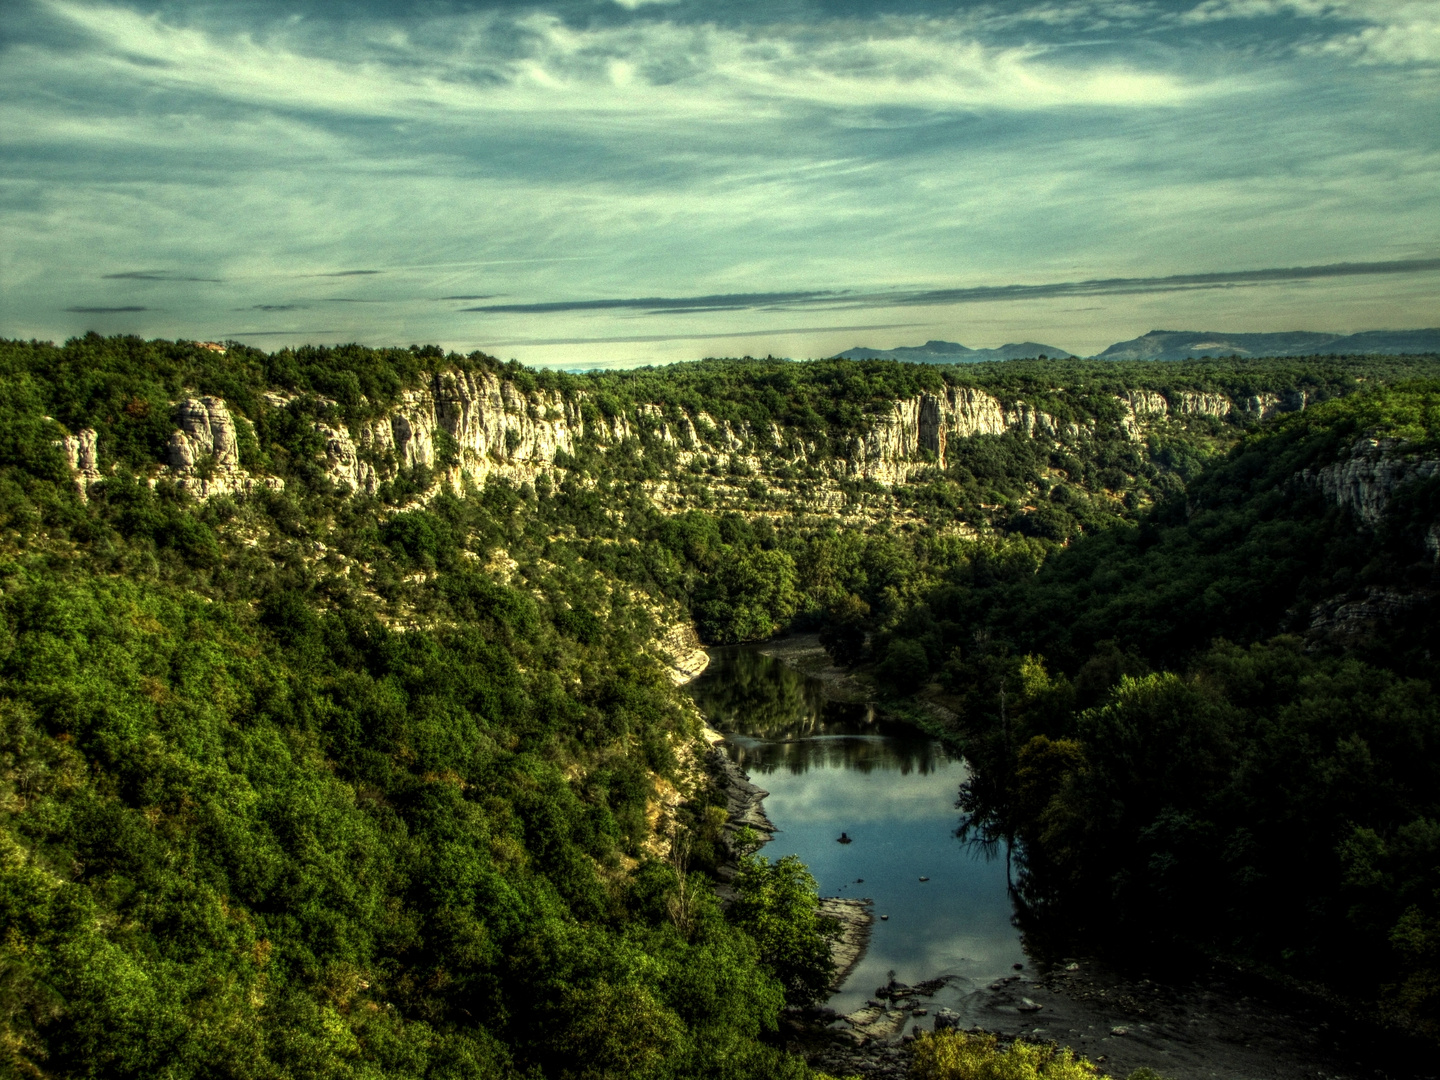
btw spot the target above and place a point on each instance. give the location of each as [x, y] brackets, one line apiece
[717, 336]
[540, 64]
[659, 305]
[704, 166]
[156, 275]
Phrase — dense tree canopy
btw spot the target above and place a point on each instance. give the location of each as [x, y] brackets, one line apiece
[306, 782]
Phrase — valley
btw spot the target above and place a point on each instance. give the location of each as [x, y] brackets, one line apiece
[348, 724]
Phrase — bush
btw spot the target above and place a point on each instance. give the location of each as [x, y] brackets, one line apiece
[777, 904]
[954, 1055]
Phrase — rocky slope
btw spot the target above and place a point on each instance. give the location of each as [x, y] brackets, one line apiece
[1365, 482]
[479, 426]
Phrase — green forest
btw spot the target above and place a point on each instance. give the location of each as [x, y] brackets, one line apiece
[307, 781]
[1217, 725]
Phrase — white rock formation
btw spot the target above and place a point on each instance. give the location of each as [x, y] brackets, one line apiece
[1264, 406]
[917, 431]
[1146, 403]
[1195, 403]
[496, 431]
[204, 453]
[82, 453]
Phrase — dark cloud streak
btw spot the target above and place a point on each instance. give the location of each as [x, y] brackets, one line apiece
[661, 304]
[237, 335]
[696, 337]
[106, 310]
[1173, 283]
[782, 301]
[157, 275]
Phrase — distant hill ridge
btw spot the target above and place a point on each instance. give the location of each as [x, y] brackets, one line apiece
[952, 352]
[1181, 344]
[1177, 345]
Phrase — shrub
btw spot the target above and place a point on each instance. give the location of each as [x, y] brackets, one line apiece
[953, 1055]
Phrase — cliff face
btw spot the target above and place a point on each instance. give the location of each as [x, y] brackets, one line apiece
[479, 426]
[1365, 482]
[918, 431]
[493, 429]
[204, 452]
[83, 453]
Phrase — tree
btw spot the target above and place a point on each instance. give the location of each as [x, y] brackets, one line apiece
[778, 905]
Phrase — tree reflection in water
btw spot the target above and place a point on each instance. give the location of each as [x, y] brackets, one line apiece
[778, 718]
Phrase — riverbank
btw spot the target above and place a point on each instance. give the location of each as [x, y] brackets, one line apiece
[745, 820]
[856, 918]
[1186, 1023]
[805, 654]
[1215, 1023]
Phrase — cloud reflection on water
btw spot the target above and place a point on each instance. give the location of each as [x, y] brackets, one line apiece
[893, 791]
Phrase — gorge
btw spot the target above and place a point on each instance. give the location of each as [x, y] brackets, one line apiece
[346, 725]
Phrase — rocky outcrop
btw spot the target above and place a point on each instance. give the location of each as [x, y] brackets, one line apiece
[82, 453]
[1141, 408]
[343, 464]
[462, 424]
[470, 427]
[1195, 403]
[1146, 403]
[204, 451]
[855, 918]
[207, 432]
[685, 657]
[745, 818]
[1347, 621]
[918, 431]
[1365, 482]
[1263, 406]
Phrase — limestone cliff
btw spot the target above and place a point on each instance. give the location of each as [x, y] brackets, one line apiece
[204, 451]
[1364, 482]
[82, 452]
[493, 428]
[478, 425]
[918, 431]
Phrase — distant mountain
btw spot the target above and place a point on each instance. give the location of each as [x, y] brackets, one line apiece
[952, 352]
[1180, 344]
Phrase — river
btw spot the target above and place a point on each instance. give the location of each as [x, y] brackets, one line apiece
[832, 768]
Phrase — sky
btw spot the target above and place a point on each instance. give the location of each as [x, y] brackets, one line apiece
[616, 182]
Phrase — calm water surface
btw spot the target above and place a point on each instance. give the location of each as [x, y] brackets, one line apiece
[892, 789]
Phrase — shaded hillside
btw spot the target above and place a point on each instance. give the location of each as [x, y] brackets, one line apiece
[1219, 724]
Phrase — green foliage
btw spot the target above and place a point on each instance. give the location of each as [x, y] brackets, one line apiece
[777, 905]
[956, 1055]
[289, 785]
[312, 783]
[1254, 768]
